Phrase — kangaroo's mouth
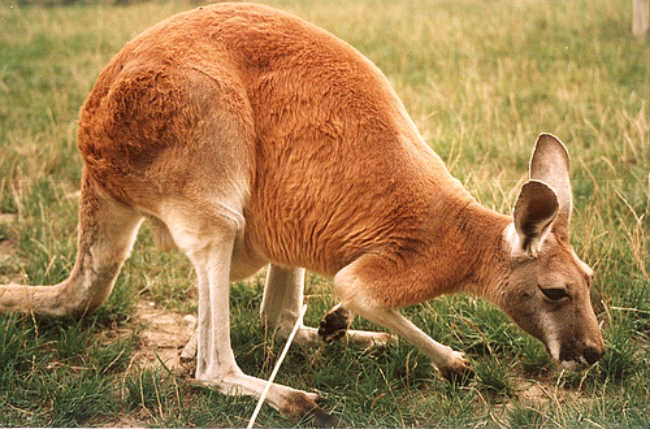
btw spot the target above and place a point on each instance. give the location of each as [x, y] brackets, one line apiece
[574, 364]
[570, 357]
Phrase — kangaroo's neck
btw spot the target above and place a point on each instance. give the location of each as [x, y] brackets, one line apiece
[466, 251]
[491, 262]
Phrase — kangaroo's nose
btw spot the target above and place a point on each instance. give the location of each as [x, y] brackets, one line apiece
[592, 354]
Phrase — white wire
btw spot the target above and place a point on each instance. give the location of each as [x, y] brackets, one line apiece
[277, 367]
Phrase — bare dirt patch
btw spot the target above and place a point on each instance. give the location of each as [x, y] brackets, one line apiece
[125, 420]
[7, 217]
[165, 334]
[6, 249]
[162, 338]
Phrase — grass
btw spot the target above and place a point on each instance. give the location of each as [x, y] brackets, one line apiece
[480, 83]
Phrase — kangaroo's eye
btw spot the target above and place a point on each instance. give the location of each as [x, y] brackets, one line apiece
[554, 294]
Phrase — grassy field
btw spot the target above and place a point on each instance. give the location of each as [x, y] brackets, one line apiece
[481, 80]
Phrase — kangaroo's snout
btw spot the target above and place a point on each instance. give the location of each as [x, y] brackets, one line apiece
[593, 353]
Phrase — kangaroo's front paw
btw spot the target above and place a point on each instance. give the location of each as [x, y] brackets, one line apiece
[334, 324]
[458, 370]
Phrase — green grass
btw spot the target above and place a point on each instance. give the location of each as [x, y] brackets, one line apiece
[480, 81]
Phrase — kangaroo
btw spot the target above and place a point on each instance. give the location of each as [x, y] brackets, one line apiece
[250, 137]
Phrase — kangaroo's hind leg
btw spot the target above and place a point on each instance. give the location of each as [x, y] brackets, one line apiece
[208, 241]
[106, 232]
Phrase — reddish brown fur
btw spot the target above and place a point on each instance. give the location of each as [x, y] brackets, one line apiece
[337, 170]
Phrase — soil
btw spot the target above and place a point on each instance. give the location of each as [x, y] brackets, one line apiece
[6, 249]
[162, 338]
[7, 217]
[165, 334]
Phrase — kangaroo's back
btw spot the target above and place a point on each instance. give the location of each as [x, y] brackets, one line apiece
[324, 152]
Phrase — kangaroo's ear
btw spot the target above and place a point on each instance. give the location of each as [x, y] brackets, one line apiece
[535, 210]
[550, 164]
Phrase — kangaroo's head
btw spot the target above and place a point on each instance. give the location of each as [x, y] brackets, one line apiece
[547, 287]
